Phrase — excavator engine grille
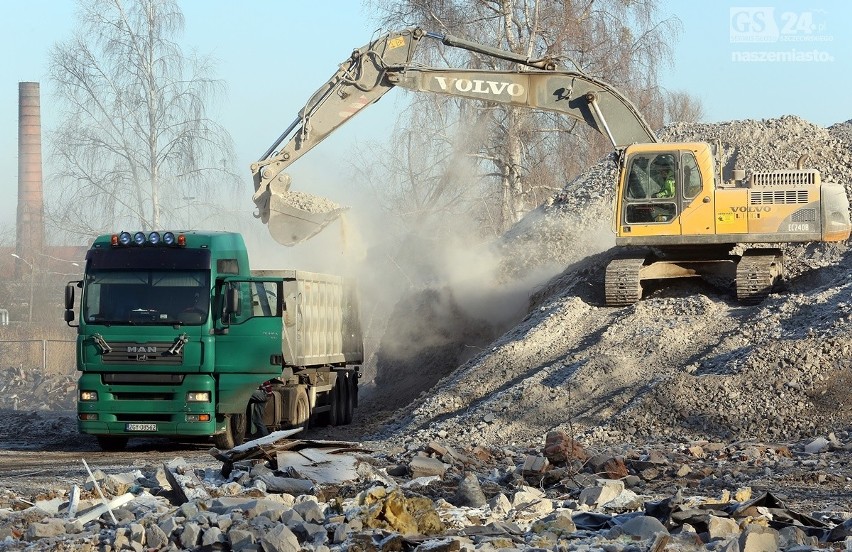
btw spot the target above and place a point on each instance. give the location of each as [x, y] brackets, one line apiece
[804, 215]
[798, 177]
[774, 197]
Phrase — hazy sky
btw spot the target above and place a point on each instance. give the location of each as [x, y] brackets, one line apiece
[274, 54]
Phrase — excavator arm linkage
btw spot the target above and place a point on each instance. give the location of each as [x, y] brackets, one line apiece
[377, 67]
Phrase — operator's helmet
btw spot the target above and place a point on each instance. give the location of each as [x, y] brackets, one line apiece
[663, 164]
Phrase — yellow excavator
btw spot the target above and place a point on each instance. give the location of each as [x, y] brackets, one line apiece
[673, 210]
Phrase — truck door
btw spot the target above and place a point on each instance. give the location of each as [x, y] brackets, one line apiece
[249, 338]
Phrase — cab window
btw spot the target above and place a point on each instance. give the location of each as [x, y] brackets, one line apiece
[257, 299]
[691, 176]
[651, 189]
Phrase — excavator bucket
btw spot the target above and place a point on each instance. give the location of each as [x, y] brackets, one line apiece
[290, 225]
[296, 216]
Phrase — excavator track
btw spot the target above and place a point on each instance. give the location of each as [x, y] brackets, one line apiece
[757, 273]
[622, 282]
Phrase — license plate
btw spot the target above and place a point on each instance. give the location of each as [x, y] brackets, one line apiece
[140, 427]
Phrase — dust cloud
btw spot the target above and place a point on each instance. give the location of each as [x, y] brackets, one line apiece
[435, 297]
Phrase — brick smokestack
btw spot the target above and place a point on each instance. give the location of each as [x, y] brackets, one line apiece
[30, 223]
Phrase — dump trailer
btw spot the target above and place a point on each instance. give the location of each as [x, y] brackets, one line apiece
[176, 333]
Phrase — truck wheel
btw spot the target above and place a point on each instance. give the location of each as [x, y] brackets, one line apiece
[302, 409]
[353, 379]
[234, 434]
[334, 414]
[112, 443]
[348, 406]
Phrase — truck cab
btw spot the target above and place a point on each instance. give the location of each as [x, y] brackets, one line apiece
[153, 340]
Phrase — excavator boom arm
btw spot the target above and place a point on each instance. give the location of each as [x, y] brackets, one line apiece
[576, 95]
[377, 67]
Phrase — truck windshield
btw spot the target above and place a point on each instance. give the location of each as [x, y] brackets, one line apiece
[146, 297]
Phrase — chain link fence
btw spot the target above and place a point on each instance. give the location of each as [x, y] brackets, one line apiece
[48, 356]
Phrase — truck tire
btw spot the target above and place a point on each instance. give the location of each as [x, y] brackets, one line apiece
[348, 406]
[301, 409]
[353, 379]
[112, 443]
[234, 434]
[334, 414]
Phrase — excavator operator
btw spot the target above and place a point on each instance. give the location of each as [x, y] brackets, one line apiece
[666, 182]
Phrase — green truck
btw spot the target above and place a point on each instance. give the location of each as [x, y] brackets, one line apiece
[176, 333]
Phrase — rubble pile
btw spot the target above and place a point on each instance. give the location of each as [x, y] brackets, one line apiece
[22, 389]
[561, 496]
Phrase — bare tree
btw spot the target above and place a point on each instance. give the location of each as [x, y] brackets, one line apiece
[683, 107]
[135, 139]
[527, 155]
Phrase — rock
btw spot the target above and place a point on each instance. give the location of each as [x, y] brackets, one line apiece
[190, 535]
[469, 492]
[155, 537]
[819, 444]
[422, 466]
[559, 447]
[280, 539]
[721, 528]
[608, 466]
[168, 526]
[500, 504]
[288, 485]
[643, 527]
[530, 502]
[240, 539]
[310, 511]
[757, 538]
[137, 533]
[313, 533]
[604, 491]
[534, 465]
[211, 536]
[49, 528]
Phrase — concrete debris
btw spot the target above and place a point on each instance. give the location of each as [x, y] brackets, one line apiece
[500, 505]
[22, 389]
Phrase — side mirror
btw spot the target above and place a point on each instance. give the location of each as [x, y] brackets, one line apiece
[69, 316]
[69, 296]
[232, 301]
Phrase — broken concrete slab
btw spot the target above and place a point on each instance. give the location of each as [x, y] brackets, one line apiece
[185, 484]
[318, 465]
